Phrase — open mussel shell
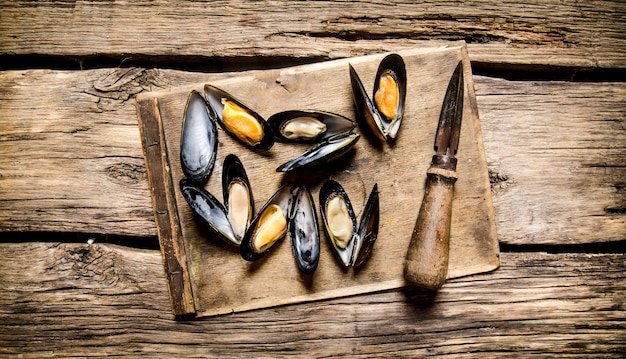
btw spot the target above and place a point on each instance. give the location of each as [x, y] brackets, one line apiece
[238, 199]
[339, 220]
[368, 228]
[390, 92]
[332, 148]
[198, 141]
[269, 226]
[308, 126]
[304, 232]
[210, 210]
[366, 112]
[350, 245]
[238, 120]
[383, 113]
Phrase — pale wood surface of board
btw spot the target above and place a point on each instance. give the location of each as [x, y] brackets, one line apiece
[72, 171]
[225, 283]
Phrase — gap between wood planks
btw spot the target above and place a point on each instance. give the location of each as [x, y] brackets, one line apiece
[151, 243]
[512, 72]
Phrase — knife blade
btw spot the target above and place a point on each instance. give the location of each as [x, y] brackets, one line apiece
[426, 263]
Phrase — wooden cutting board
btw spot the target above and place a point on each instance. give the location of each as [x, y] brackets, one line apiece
[207, 277]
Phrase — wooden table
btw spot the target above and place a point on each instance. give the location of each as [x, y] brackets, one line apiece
[81, 273]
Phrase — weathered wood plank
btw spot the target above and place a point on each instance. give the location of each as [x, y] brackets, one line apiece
[557, 156]
[72, 159]
[172, 247]
[61, 300]
[71, 152]
[571, 33]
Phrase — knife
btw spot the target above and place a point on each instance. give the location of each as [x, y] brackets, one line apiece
[426, 263]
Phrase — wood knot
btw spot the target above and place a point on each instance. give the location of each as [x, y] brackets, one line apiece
[126, 173]
[498, 181]
[89, 265]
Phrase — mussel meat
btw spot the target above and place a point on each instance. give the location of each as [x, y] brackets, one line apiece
[198, 141]
[238, 199]
[339, 220]
[350, 245]
[238, 120]
[332, 148]
[210, 210]
[383, 115]
[269, 226]
[308, 126]
[304, 232]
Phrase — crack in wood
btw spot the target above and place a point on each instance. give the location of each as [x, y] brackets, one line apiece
[433, 26]
[615, 210]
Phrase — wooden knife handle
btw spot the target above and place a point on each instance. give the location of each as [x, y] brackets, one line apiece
[426, 262]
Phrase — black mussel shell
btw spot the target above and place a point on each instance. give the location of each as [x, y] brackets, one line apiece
[391, 72]
[209, 209]
[368, 228]
[198, 140]
[238, 199]
[366, 112]
[339, 221]
[330, 149]
[238, 120]
[383, 120]
[269, 226]
[308, 126]
[304, 232]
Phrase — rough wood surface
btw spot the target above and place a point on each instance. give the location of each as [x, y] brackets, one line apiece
[171, 242]
[558, 165]
[72, 158]
[570, 33]
[395, 169]
[71, 152]
[71, 161]
[60, 300]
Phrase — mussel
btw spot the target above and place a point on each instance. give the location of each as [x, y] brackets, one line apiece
[238, 120]
[230, 220]
[383, 115]
[308, 126]
[269, 226]
[351, 244]
[238, 199]
[332, 133]
[198, 141]
[210, 210]
[330, 149]
[304, 232]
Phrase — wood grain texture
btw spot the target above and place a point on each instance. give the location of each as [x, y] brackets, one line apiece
[84, 126]
[60, 300]
[165, 213]
[71, 161]
[558, 166]
[71, 152]
[570, 33]
[71, 155]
